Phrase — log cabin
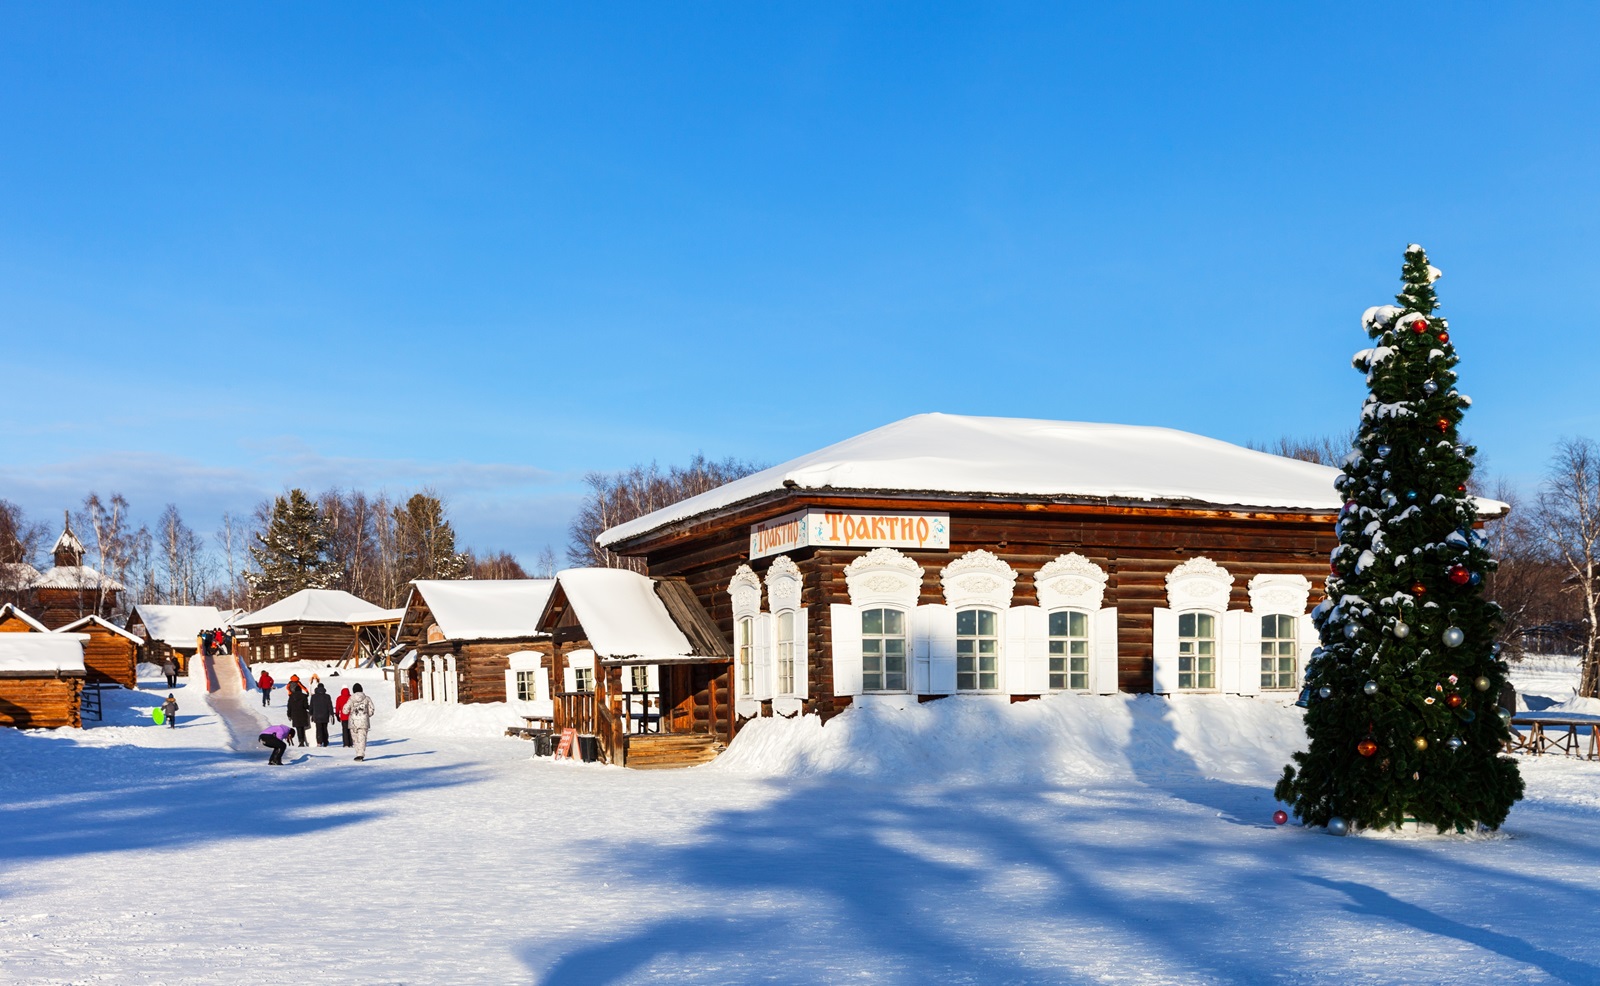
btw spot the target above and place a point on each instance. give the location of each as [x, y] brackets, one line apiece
[311, 625]
[41, 680]
[174, 630]
[474, 640]
[71, 590]
[948, 555]
[110, 654]
[638, 664]
[14, 620]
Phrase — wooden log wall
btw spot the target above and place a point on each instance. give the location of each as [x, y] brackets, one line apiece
[300, 642]
[41, 703]
[56, 607]
[1137, 550]
[110, 657]
[481, 665]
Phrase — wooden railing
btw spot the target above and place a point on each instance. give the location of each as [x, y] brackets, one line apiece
[575, 710]
[640, 712]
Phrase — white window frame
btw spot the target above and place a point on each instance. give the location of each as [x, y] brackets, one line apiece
[783, 627]
[980, 581]
[527, 682]
[904, 636]
[789, 671]
[1198, 586]
[583, 680]
[745, 637]
[1066, 640]
[1285, 596]
[1215, 639]
[1272, 678]
[977, 639]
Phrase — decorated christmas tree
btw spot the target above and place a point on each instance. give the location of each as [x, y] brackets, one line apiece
[1403, 696]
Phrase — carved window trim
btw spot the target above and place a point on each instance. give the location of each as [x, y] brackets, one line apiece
[1199, 584]
[884, 577]
[978, 580]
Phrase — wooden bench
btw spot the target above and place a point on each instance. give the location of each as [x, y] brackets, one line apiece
[1545, 734]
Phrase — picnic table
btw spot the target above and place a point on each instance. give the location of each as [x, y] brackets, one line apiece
[1545, 733]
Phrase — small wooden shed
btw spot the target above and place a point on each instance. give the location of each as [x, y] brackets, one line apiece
[638, 663]
[111, 654]
[311, 625]
[14, 620]
[41, 680]
[474, 640]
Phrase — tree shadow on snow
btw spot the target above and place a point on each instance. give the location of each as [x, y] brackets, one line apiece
[61, 799]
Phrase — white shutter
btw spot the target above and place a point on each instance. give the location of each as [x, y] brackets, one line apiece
[1014, 652]
[1103, 662]
[941, 649]
[511, 685]
[1250, 653]
[1036, 653]
[571, 677]
[1164, 672]
[762, 677]
[1228, 654]
[921, 644]
[1309, 639]
[802, 653]
[846, 649]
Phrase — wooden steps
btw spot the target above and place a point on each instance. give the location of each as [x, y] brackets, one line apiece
[660, 752]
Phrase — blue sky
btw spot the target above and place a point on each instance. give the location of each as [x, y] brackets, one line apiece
[490, 248]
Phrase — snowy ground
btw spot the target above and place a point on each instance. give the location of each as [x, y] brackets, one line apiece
[1077, 840]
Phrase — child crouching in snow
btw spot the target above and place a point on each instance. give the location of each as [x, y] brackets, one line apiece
[169, 709]
[277, 738]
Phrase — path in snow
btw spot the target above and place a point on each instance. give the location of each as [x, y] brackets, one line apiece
[221, 678]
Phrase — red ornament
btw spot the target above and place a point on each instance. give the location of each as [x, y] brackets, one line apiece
[1279, 817]
[1366, 748]
[1461, 487]
[1454, 701]
[1458, 574]
[1333, 568]
[1417, 588]
[1444, 337]
[1444, 424]
[1419, 326]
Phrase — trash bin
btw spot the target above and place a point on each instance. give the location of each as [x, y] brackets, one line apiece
[543, 743]
[588, 748]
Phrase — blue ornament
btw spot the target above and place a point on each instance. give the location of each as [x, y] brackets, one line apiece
[1475, 579]
[1384, 450]
[1411, 495]
[1338, 826]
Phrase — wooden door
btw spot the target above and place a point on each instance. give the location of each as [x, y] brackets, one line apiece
[677, 698]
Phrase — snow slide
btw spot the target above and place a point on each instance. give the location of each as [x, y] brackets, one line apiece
[227, 682]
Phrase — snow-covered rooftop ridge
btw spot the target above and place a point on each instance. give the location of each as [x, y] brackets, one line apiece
[948, 453]
[42, 652]
[178, 626]
[18, 574]
[486, 609]
[82, 625]
[69, 541]
[75, 577]
[312, 606]
[381, 616]
[10, 609]
[621, 614]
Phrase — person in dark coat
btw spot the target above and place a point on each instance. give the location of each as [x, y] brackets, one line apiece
[321, 712]
[299, 713]
[339, 708]
[169, 711]
[169, 667]
[265, 684]
[277, 739]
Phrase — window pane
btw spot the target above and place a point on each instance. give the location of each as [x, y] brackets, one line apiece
[1058, 623]
[988, 622]
[1205, 625]
[1080, 624]
[894, 621]
[967, 622]
[895, 646]
[872, 621]
[1186, 624]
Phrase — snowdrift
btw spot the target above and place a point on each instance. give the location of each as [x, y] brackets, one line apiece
[1059, 738]
[449, 719]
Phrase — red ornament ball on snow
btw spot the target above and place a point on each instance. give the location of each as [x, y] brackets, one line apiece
[1419, 326]
[1454, 701]
[1366, 748]
[1280, 816]
[1459, 574]
[1444, 337]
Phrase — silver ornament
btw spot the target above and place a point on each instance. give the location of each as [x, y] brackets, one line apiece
[1454, 637]
[1504, 714]
[1429, 387]
[1401, 631]
[1351, 631]
[1324, 692]
[1454, 743]
[1338, 826]
[1371, 688]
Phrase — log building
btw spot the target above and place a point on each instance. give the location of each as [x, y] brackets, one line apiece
[474, 640]
[110, 653]
[14, 620]
[311, 625]
[41, 680]
[946, 555]
[174, 631]
[71, 590]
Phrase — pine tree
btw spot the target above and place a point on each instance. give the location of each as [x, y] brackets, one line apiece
[292, 553]
[427, 542]
[1403, 716]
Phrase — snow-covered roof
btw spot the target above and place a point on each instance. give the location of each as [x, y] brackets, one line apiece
[69, 541]
[178, 626]
[485, 609]
[312, 606]
[42, 652]
[18, 574]
[10, 609]
[958, 454]
[74, 577]
[621, 614]
[381, 616]
[84, 623]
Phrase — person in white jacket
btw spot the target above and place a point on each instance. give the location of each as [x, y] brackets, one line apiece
[360, 709]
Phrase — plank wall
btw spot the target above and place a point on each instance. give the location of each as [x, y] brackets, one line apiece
[41, 703]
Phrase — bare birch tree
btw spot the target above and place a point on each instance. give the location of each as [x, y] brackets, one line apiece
[615, 498]
[114, 545]
[1568, 516]
[183, 562]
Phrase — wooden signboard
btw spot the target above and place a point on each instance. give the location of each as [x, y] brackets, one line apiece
[569, 736]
